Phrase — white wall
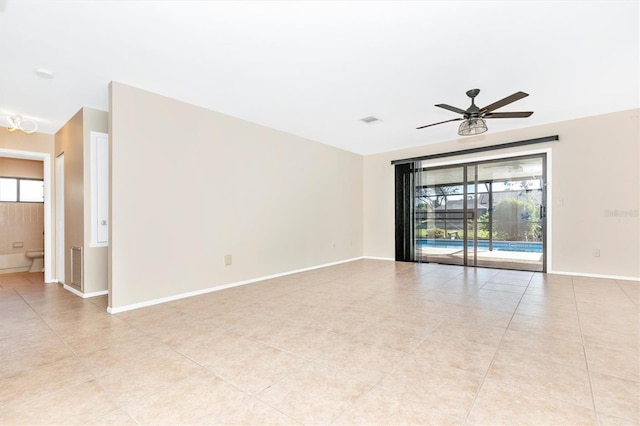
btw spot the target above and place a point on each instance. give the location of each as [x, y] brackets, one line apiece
[189, 185]
[595, 170]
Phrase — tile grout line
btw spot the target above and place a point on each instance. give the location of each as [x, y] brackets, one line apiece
[626, 294]
[351, 408]
[77, 358]
[371, 386]
[164, 388]
[210, 370]
[495, 355]
[406, 355]
[586, 358]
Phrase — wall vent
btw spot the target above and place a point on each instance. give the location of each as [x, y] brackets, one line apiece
[370, 120]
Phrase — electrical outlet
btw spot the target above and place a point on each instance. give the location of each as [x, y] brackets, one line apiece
[227, 259]
[596, 252]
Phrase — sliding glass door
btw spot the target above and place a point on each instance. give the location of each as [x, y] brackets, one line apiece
[439, 215]
[489, 214]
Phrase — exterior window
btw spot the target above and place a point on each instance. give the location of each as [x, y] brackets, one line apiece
[31, 191]
[21, 190]
[9, 189]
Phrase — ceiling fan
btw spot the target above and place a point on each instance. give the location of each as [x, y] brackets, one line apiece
[473, 117]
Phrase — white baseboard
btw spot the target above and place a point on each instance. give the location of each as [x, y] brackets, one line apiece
[221, 287]
[84, 295]
[575, 274]
[96, 294]
[268, 277]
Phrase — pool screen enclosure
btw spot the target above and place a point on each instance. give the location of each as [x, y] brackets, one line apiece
[489, 213]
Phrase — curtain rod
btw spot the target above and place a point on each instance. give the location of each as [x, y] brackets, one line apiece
[479, 149]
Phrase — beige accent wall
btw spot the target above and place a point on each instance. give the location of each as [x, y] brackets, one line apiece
[16, 167]
[19, 141]
[73, 139]
[21, 223]
[189, 186]
[595, 191]
[69, 141]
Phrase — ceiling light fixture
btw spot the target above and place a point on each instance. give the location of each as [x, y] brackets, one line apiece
[16, 122]
[472, 126]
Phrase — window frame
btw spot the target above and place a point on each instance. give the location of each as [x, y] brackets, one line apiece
[18, 180]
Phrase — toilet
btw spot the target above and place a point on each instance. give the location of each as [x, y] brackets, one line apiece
[37, 256]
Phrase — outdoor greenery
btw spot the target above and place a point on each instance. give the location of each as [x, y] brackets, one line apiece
[434, 233]
[513, 220]
[434, 197]
[439, 233]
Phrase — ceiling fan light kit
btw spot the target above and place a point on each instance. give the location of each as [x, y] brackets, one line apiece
[473, 118]
[472, 126]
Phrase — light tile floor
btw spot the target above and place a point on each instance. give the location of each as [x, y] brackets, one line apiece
[366, 342]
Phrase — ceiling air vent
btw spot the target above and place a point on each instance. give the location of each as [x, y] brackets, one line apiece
[370, 120]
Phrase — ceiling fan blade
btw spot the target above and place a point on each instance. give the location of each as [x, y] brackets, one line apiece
[520, 114]
[446, 121]
[452, 108]
[502, 102]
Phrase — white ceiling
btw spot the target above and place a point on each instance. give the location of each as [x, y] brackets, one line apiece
[315, 68]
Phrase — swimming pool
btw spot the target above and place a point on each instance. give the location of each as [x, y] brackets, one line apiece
[524, 246]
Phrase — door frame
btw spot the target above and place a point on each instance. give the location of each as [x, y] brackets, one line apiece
[60, 222]
[548, 243]
[48, 216]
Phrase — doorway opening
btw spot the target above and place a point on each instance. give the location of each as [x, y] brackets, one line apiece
[48, 221]
[489, 213]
